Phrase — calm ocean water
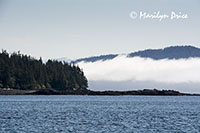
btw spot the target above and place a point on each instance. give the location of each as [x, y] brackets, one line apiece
[51, 114]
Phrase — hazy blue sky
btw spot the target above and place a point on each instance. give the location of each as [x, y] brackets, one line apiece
[81, 28]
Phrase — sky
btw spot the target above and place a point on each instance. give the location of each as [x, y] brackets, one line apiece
[77, 28]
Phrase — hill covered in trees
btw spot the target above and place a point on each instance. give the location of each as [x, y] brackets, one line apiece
[173, 52]
[20, 71]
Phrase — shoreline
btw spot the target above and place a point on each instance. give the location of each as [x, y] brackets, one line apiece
[144, 92]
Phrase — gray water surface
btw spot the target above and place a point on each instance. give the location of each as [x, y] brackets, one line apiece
[51, 114]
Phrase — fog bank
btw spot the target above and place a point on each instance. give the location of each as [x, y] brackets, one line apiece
[136, 72]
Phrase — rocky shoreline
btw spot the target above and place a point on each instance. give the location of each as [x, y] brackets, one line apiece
[151, 92]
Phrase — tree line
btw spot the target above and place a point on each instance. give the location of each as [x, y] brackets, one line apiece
[20, 71]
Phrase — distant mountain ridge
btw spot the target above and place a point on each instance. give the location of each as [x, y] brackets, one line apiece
[172, 52]
[96, 58]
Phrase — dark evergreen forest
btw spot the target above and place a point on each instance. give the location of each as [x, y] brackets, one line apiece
[20, 71]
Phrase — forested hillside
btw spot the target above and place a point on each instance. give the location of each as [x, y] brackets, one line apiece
[20, 71]
[172, 52]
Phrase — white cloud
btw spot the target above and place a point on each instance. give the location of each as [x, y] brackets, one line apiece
[134, 69]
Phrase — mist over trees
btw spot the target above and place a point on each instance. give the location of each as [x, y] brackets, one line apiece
[20, 71]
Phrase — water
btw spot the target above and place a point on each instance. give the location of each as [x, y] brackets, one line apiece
[50, 114]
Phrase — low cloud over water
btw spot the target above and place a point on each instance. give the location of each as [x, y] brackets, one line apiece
[142, 73]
